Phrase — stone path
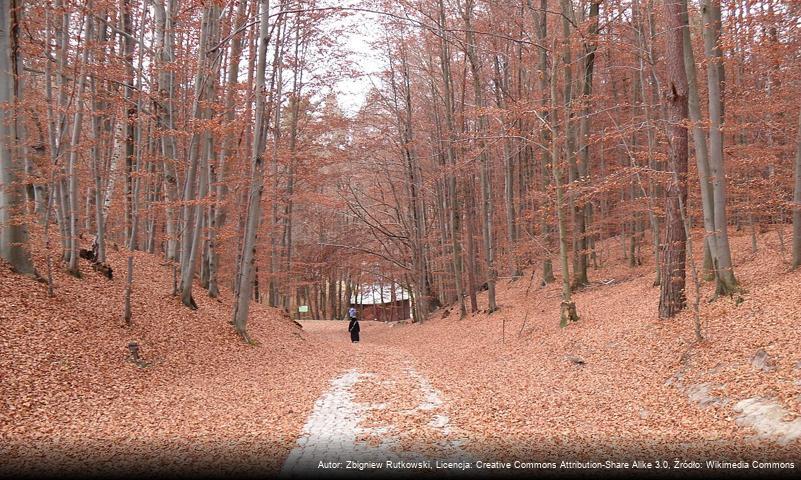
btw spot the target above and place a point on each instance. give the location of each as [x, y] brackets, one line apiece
[330, 442]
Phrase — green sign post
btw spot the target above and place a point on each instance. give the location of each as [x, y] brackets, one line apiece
[303, 308]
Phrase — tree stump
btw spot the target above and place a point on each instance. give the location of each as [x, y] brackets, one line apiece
[568, 314]
[133, 347]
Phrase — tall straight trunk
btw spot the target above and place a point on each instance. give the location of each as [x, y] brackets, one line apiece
[638, 96]
[574, 175]
[470, 215]
[797, 201]
[454, 214]
[118, 152]
[165, 13]
[501, 88]
[100, 223]
[541, 25]
[345, 301]
[194, 215]
[77, 122]
[154, 193]
[34, 201]
[132, 180]
[53, 146]
[484, 160]
[152, 180]
[246, 270]
[727, 283]
[13, 234]
[672, 298]
[332, 297]
[567, 311]
[337, 300]
[275, 266]
[701, 154]
[87, 209]
[228, 150]
[584, 212]
[423, 295]
[448, 293]
[98, 119]
[294, 114]
[140, 137]
[128, 119]
[62, 126]
[652, 163]
[208, 155]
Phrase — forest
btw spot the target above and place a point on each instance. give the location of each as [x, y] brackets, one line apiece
[202, 153]
[500, 137]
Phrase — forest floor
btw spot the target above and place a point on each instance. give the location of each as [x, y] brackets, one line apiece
[618, 384]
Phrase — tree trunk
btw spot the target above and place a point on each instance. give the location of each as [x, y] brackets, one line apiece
[584, 212]
[100, 220]
[484, 166]
[198, 157]
[640, 94]
[701, 155]
[470, 215]
[126, 308]
[242, 301]
[13, 234]
[577, 213]
[227, 151]
[797, 202]
[275, 268]
[165, 119]
[129, 114]
[672, 298]
[567, 311]
[77, 122]
[454, 213]
[541, 25]
[727, 283]
[501, 90]
[294, 118]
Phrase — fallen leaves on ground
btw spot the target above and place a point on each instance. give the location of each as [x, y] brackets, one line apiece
[71, 399]
[512, 387]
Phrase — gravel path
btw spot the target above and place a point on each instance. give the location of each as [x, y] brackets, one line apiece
[333, 439]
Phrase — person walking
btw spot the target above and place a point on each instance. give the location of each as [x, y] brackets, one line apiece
[353, 326]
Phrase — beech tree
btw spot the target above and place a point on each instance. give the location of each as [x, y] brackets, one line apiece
[797, 202]
[719, 246]
[499, 138]
[672, 297]
[257, 180]
[568, 307]
[13, 236]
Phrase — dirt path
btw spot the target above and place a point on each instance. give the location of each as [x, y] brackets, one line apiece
[423, 389]
[383, 409]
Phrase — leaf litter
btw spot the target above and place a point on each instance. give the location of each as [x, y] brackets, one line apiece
[71, 400]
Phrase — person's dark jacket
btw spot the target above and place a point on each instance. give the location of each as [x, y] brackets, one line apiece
[353, 328]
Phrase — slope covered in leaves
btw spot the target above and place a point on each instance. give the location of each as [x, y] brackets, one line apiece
[71, 399]
[620, 380]
[618, 384]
